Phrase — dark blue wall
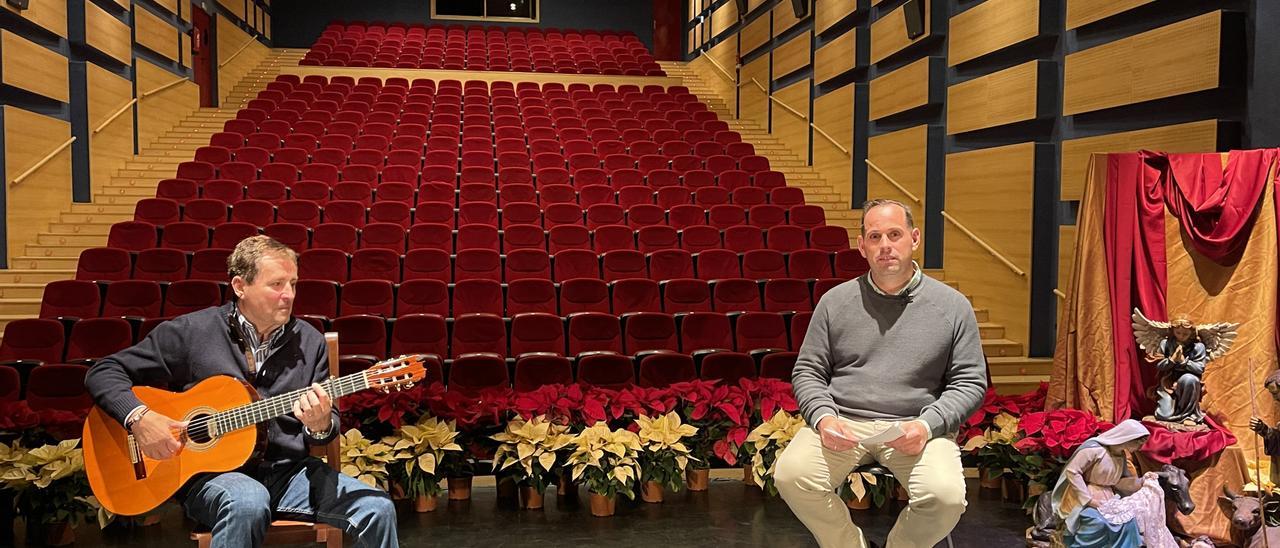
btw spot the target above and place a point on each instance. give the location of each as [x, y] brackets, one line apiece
[297, 23]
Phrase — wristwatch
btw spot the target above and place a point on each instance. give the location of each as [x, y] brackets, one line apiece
[318, 435]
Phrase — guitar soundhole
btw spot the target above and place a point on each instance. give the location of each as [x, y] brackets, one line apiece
[198, 429]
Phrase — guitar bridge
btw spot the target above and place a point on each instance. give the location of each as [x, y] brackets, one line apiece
[135, 458]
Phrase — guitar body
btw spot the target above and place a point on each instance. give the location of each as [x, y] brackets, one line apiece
[112, 474]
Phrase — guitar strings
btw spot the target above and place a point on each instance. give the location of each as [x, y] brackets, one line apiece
[261, 410]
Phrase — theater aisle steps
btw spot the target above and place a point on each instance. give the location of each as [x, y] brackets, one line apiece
[1011, 371]
[817, 190]
[54, 254]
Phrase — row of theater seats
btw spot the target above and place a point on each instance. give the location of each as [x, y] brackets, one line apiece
[37, 341]
[261, 212]
[46, 387]
[488, 264]
[457, 48]
[327, 299]
[275, 191]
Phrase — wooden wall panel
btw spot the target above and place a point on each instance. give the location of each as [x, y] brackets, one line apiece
[973, 179]
[155, 33]
[724, 17]
[107, 34]
[694, 9]
[753, 103]
[829, 12]
[236, 7]
[48, 14]
[753, 4]
[906, 88]
[238, 53]
[784, 16]
[33, 67]
[792, 128]
[836, 57]
[991, 26]
[833, 114]
[159, 112]
[903, 155]
[1199, 136]
[889, 33]
[792, 56]
[1120, 72]
[1000, 98]
[112, 145]
[755, 34]
[35, 202]
[185, 7]
[1083, 12]
[266, 25]
[171, 5]
[691, 42]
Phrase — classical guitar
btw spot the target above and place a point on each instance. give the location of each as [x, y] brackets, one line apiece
[220, 411]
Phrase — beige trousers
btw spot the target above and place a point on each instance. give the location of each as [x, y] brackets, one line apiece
[808, 475]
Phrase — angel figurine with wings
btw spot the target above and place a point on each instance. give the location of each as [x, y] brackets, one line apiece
[1181, 350]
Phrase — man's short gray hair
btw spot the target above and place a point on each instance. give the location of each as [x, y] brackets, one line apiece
[872, 204]
[243, 260]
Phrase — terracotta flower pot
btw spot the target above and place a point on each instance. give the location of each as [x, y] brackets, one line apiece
[986, 482]
[397, 492]
[59, 534]
[566, 487]
[460, 488]
[747, 476]
[530, 498]
[1013, 490]
[424, 503]
[651, 491]
[856, 503]
[602, 506]
[698, 478]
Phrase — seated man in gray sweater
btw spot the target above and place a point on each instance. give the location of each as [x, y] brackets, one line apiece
[893, 351]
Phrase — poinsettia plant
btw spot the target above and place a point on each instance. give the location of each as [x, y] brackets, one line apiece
[419, 448]
[664, 456]
[994, 404]
[1046, 441]
[364, 459]
[529, 450]
[766, 442]
[49, 482]
[992, 451]
[377, 414]
[722, 415]
[607, 460]
[40, 427]
[478, 417]
[558, 404]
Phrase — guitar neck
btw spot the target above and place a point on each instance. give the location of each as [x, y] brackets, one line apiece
[277, 406]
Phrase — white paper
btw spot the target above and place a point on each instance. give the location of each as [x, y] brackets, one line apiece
[893, 432]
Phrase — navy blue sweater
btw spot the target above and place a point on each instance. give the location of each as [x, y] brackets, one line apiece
[183, 351]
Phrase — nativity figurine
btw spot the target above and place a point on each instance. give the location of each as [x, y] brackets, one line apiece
[1181, 350]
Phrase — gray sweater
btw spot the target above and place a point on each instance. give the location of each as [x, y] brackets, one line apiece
[875, 356]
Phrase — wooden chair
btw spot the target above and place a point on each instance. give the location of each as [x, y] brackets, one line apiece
[302, 532]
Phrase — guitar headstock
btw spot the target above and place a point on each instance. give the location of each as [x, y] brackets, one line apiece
[396, 374]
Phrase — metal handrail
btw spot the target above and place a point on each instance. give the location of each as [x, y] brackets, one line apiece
[21, 177]
[981, 243]
[115, 115]
[720, 68]
[901, 188]
[789, 108]
[146, 94]
[829, 138]
[763, 89]
[237, 53]
[1060, 294]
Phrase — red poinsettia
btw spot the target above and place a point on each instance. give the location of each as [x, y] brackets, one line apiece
[722, 414]
[1057, 432]
[486, 408]
[560, 404]
[16, 417]
[993, 404]
[61, 424]
[769, 396]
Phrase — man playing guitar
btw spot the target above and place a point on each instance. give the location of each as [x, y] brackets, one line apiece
[253, 338]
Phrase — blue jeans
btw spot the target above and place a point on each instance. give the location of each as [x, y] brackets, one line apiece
[239, 508]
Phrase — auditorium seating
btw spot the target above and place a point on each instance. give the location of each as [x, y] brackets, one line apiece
[520, 232]
[458, 47]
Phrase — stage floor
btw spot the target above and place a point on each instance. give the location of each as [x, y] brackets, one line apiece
[729, 514]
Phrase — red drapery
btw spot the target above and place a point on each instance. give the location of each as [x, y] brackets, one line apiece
[1216, 208]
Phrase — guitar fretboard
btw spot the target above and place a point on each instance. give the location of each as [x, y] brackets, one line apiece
[282, 404]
